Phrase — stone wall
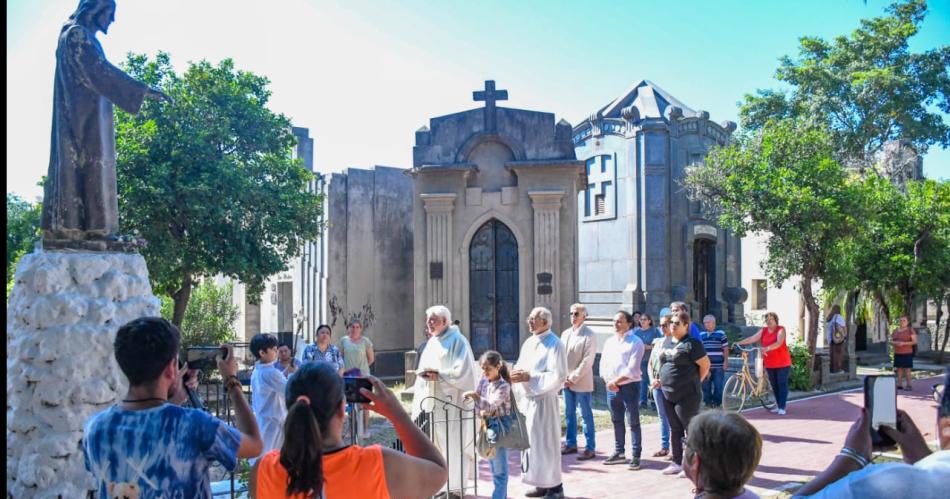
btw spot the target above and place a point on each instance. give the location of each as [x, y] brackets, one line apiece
[62, 317]
[370, 259]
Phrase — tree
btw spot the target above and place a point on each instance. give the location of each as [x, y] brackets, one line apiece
[904, 240]
[867, 88]
[210, 317]
[783, 181]
[209, 181]
[23, 224]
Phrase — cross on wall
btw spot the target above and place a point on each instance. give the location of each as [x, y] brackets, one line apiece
[490, 95]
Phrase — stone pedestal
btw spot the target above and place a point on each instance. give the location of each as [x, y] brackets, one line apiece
[62, 317]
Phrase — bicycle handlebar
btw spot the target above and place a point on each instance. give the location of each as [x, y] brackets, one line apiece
[745, 349]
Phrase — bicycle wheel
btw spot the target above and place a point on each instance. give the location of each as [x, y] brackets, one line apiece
[767, 397]
[734, 393]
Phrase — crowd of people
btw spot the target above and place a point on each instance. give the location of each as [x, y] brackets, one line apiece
[150, 446]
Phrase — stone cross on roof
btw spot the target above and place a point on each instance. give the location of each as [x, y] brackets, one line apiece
[490, 95]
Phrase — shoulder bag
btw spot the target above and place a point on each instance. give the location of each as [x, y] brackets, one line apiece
[517, 436]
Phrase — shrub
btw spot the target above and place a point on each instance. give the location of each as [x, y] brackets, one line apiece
[210, 315]
[800, 378]
[733, 333]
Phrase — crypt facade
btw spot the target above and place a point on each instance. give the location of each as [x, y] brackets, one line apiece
[642, 243]
[495, 220]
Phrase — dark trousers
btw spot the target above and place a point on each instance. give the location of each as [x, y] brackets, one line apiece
[712, 387]
[680, 413]
[778, 377]
[626, 402]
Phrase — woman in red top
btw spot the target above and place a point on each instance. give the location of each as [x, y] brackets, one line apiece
[778, 362]
[313, 461]
[904, 338]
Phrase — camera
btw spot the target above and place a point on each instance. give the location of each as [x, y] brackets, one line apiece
[202, 358]
[351, 389]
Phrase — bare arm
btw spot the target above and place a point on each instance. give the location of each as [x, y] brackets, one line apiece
[251, 443]
[370, 355]
[422, 460]
[704, 365]
[751, 339]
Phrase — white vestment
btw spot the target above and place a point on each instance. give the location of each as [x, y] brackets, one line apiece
[543, 356]
[450, 354]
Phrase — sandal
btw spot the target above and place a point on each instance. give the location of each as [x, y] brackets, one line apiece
[661, 453]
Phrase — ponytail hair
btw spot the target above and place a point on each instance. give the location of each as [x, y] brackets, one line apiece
[495, 359]
[314, 394]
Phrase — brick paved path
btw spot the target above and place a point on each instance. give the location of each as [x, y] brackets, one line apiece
[796, 447]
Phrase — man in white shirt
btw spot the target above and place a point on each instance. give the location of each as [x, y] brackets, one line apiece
[620, 369]
[536, 379]
[581, 347]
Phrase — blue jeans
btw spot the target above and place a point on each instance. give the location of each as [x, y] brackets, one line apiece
[499, 473]
[664, 422]
[571, 401]
[626, 401]
[778, 377]
[644, 383]
[712, 386]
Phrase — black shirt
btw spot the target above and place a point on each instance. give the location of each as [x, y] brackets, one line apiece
[679, 373]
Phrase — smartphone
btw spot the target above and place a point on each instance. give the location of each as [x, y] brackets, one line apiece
[202, 358]
[351, 388]
[880, 400]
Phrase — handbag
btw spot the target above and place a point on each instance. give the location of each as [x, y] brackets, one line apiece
[839, 334]
[517, 436]
[482, 446]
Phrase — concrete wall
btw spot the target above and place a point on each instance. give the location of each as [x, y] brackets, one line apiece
[369, 266]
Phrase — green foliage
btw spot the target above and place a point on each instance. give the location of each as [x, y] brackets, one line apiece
[733, 333]
[867, 88]
[209, 180]
[23, 225]
[800, 377]
[904, 240]
[210, 316]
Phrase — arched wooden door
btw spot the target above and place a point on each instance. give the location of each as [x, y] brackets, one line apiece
[493, 291]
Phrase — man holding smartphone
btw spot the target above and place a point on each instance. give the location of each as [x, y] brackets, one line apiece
[923, 474]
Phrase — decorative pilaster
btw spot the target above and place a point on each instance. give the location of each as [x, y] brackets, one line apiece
[439, 209]
[547, 241]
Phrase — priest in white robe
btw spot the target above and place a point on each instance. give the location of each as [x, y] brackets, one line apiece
[536, 378]
[446, 371]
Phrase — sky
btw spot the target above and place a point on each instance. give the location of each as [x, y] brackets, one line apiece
[364, 75]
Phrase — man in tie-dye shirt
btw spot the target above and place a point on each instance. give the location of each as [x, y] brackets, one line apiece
[146, 447]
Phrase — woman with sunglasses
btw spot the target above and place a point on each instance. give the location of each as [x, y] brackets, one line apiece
[682, 369]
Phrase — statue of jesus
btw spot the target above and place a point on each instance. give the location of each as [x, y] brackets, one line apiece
[80, 207]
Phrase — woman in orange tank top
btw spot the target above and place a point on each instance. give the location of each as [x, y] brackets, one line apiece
[903, 339]
[778, 360]
[313, 461]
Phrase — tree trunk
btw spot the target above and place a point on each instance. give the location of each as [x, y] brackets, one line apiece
[181, 298]
[812, 305]
[936, 339]
[946, 332]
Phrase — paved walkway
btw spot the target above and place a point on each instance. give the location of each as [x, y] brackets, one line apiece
[796, 447]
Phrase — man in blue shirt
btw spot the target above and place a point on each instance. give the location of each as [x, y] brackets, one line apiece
[717, 348]
[146, 447]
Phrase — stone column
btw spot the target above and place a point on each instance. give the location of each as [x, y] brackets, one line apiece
[439, 209]
[547, 242]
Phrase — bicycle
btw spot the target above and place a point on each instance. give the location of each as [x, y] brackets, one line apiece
[743, 386]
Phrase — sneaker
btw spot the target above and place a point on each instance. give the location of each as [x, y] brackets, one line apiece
[774, 410]
[634, 464]
[681, 474]
[672, 469]
[615, 458]
[780, 412]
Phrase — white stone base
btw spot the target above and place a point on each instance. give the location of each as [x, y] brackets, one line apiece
[62, 317]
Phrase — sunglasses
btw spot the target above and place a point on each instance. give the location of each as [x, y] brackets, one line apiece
[677, 323]
[575, 314]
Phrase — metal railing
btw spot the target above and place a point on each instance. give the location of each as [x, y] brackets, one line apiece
[446, 413]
